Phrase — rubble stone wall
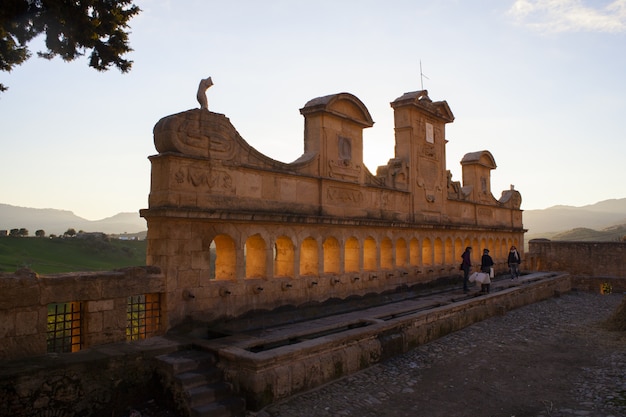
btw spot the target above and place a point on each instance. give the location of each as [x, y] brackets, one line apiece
[78, 384]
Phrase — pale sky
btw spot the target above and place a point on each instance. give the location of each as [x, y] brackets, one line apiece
[541, 84]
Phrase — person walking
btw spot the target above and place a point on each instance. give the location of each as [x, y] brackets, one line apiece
[466, 266]
[486, 264]
[514, 260]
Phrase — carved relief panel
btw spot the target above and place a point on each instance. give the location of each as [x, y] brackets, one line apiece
[344, 166]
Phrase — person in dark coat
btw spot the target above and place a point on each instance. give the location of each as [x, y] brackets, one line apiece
[514, 260]
[466, 266]
[486, 263]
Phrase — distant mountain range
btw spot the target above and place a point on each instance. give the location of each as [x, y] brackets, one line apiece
[54, 221]
[605, 220]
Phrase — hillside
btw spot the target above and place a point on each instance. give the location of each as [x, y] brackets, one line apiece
[49, 256]
[546, 223]
[552, 222]
[54, 221]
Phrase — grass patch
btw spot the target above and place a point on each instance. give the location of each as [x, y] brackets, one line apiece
[50, 256]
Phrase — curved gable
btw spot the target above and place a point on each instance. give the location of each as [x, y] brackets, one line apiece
[343, 105]
[484, 158]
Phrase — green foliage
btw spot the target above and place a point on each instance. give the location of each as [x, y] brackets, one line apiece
[19, 232]
[49, 256]
[71, 28]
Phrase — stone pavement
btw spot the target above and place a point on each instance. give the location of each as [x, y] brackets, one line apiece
[548, 359]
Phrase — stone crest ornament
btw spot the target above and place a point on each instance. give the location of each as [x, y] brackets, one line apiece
[201, 96]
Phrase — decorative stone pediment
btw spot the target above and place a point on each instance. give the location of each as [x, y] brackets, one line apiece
[342, 105]
[484, 158]
[420, 99]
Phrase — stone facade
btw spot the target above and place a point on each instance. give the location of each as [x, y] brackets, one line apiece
[235, 231]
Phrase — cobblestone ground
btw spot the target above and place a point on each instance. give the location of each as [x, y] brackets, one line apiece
[548, 359]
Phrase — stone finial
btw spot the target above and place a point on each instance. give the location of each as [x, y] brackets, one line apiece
[201, 96]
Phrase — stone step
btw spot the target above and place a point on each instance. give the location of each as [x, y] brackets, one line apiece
[201, 383]
[187, 360]
[208, 393]
[233, 407]
[196, 378]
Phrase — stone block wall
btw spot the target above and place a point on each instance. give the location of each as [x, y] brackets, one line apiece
[580, 259]
[25, 296]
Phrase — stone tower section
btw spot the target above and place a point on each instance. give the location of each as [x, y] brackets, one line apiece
[477, 168]
[420, 129]
[333, 129]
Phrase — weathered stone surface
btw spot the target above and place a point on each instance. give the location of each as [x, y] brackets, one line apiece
[18, 291]
[590, 259]
[219, 210]
[103, 295]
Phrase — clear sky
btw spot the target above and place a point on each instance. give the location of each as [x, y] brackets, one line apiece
[541, 84]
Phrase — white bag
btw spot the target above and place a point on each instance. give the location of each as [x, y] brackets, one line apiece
[491, 273]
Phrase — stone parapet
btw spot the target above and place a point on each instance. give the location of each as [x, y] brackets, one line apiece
[580, 259]
[26, 298]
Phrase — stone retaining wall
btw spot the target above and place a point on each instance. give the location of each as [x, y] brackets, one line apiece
[585, 259]
[99, 382]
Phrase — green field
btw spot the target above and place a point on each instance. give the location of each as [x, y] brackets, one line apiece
[49, 256]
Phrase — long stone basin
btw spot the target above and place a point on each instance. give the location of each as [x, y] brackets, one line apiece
[270, 364]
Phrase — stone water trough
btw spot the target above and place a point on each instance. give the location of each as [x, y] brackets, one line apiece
[267, 362]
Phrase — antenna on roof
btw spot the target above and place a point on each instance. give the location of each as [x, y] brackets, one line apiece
[422, 76]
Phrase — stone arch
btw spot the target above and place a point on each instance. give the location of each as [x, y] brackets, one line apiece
[332, 255]
[401, 252]
[448, 252]
[495, 249]
[369, 254]
[352, 252]
[309, 257]
[414, 252]
[223, 258]
[255, 251]
[438, 251]
[504, 250]
[458, 249]
[427, 252]
[386, 253]
[476, 252]
[284, 257]
[491, 247]
[483, 246]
